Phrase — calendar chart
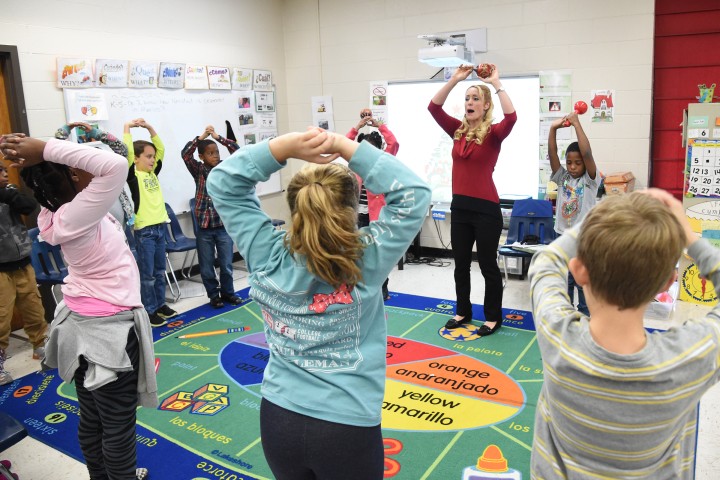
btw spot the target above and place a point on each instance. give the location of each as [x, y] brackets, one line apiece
[703, 178]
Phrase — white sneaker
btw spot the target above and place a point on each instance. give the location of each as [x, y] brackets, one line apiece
[39, 353]
[5, 377]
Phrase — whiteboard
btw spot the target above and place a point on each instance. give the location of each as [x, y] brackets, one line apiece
[178, 116]
[426, 148]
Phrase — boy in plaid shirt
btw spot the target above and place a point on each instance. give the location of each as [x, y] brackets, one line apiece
[211, 235]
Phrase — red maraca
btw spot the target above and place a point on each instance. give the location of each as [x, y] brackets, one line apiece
[580, 108]
[484, 70]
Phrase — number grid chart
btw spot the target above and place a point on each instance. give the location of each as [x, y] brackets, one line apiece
[703, 170]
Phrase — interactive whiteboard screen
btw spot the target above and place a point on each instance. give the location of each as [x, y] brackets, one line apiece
[426, 148]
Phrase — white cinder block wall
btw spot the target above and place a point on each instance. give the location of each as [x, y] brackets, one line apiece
[244, 33]
[335, 47]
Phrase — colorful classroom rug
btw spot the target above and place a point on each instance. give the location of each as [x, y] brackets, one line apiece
[456, 406]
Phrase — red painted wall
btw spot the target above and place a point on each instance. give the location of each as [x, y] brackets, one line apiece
[686, 54]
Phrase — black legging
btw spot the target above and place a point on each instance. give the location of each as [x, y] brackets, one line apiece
[107, 420]
[483, 229]
[298, 447]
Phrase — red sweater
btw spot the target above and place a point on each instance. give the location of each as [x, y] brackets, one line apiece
[377, 200]
[473, 169]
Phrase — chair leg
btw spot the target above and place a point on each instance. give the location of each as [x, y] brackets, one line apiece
[174, 289]
[504, 261]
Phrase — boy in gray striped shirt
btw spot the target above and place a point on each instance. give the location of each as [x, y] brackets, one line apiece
[618, 402]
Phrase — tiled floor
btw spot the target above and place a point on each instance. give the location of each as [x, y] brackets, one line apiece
[33, 460]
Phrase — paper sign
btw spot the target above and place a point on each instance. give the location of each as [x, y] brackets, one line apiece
[265, 101]
[242, 79]
[196, 77]
[74, 73]
[111, 73]
[219, 78]
[143, 74]
[86, 107]
[262, 80]
[172, 75]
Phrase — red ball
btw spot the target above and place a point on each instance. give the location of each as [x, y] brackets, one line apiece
[484, 70]
[580, 107]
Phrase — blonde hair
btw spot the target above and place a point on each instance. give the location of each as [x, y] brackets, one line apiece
[630, 245]
[323, 203]
[478, 134]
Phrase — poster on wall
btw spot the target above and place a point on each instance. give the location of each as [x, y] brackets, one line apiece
[86, 106]
[172, 75]
[322, 112]
[74, 73]
[242, 79]
[555, 82]
[143, 74]
[196, 77]
[703, 169]
[555, 105]
[219, 78]
[265, 101]
[267, 121]
[603, 104]
[262, 80]
[378, 101]
[111, 73]
[245, 100]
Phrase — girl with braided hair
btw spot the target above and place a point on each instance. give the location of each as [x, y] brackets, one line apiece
[318, 286]
[100, 337]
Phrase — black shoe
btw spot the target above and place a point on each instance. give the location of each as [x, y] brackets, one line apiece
[156, 320]
[231, 299]
[452, 323]
[217, 302]
[484, 330]
[166, 312]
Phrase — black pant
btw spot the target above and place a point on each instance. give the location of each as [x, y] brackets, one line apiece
[107, 420]
[469, 228]
[298, 447]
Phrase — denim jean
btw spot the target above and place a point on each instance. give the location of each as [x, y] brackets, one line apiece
[209, 240]
[151, 243]
[572, 285]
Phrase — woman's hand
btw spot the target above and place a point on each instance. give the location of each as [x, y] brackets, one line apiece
[461, 73]
[493, 78]
[23, 151]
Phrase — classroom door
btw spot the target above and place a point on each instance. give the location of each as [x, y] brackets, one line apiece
[5, 123]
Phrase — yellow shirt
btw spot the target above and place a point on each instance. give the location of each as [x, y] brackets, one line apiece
[151, 208]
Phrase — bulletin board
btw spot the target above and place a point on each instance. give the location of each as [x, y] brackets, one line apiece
[178, 116]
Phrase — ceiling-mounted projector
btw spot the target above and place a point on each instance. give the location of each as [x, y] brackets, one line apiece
[443, 56]
[452, 49]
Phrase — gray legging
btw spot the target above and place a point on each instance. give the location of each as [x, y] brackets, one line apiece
[298, 447]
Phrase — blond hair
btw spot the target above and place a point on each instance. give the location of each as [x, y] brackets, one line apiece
[323, 203]
[630, 245]
[479, 133]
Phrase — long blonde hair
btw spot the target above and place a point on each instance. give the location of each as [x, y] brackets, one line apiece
[323, 203]
[478, 134]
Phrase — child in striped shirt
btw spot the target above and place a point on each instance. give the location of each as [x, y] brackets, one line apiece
[617, 401]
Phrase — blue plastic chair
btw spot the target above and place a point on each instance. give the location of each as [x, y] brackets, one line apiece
[11, 432]
[528, 217]
[177, 242]
[47, 261]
